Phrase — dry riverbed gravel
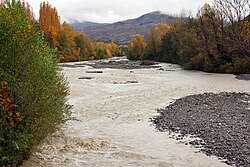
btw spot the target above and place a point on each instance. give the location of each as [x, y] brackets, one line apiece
[221, 120]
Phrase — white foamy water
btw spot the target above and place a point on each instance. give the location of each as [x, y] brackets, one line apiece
[111, 126]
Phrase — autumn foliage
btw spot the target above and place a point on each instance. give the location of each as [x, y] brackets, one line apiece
[28, 10]
[150, 47]
[217, 40]
[154, 40]
[50, 23]
[71, 45]
[136, 47]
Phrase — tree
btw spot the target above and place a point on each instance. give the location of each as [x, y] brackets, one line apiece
[136, 47]
[28, 71]
[67, 49]
[29, 11]
[225, 35]
[85, 45]
[180, 42]
[113, 48]
[101, 50]
[154, 41]
[211, 33]
[217, 40]
[50, 23]
[235, 14]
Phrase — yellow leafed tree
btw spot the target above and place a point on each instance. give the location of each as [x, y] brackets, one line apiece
[67, 48]
[136, 47]
[85, 45]
[154, 40]
[113, 48]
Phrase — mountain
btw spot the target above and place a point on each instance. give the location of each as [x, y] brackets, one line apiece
[122, 31]
[86, 24]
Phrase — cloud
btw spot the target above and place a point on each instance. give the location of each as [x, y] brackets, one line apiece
[116, 10]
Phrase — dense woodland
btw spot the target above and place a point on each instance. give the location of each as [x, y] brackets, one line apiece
[217, 40]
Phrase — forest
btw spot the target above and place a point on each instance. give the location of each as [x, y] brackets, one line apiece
[217, 40]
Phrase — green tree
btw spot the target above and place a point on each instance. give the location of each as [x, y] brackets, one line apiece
[85, 45]
[30, 69]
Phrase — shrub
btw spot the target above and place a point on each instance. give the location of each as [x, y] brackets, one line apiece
[31, 70]
[241, 65]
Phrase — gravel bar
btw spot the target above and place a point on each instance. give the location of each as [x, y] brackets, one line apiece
[221, 121]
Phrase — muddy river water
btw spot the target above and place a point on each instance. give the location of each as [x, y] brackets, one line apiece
[110, 125]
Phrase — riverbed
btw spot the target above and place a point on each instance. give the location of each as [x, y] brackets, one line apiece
[110, 125]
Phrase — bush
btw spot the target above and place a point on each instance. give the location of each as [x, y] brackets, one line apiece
[31, 70]
[241, 65]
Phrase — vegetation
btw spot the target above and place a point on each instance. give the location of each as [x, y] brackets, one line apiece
[32, 92]
[50, 23]
[217, 40]
[67, 50]
[71, 45]
[154, 40]
[136, 48]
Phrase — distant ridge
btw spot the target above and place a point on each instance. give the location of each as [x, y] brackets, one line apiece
[122, 31]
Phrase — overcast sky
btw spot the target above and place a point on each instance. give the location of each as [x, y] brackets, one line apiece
[108, 11]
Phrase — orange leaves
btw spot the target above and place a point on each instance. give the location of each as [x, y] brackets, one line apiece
[28, 10]
[91, 58]
[50, 23]
[4, 84]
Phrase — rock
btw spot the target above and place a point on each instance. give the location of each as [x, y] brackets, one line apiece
[86, 78]
[129, 82]
[243, 77]
[94, 71]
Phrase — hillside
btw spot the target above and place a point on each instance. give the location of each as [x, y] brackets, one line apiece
[121, 32]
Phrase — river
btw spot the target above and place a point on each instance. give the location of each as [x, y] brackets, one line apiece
[110, 125]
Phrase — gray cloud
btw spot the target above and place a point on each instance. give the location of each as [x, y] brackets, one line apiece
[116, 10]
